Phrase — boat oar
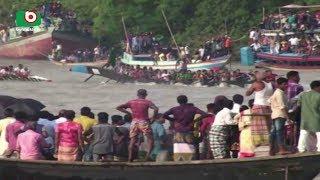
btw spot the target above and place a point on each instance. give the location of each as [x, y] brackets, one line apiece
[106, 65]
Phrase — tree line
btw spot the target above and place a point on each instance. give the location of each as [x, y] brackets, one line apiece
[192, 21]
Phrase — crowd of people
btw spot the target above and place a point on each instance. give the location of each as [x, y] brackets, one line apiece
[147, 43]
[282, 116]
[308, 44]
[63, 19]
[204, 77]
[292, 21]
[19, 71]
[78, 55]
[298, 41]
[143, 43]
[216, 47]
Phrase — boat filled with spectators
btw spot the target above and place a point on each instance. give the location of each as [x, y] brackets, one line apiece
[223, 77]
[57, 25]
[146, 50]
[290, 39]
[213, 77]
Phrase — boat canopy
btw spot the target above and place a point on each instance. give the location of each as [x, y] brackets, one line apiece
[296, 6]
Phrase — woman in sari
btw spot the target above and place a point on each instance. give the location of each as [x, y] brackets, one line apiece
[244, 119]
[69, 139]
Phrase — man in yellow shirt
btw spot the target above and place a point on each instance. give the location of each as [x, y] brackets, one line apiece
[8, 113]
[279, 115]
[86, 123]
[85, 120]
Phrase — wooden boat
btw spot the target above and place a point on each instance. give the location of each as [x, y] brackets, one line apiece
[39, 45]
[288, 60]
[148, 61]
[290, 167]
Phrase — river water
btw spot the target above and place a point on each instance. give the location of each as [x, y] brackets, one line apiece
[68, 91]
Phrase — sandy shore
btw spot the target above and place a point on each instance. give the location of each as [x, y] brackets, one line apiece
[68, 91]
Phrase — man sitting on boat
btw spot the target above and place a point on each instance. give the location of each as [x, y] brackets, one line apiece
[19, 71]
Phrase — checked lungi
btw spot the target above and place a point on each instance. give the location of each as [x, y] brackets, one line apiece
[261, 125]
[218, 137]
[183, 146]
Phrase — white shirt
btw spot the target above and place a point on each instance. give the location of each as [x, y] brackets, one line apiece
[3, 71]
[165, 76]
[60, 120]
[96, 51]
[261, 97]
[253, 35]
[236, 108]
[294, 41]
[256, 46]
[201, 52]
[317, 37]
[186, 50]
[59, 47]
[224, 117]
[17, 69]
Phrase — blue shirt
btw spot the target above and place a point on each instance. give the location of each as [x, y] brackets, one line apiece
[159, 135]
[48, 126]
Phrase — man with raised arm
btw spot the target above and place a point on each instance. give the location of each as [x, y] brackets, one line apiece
[140, 120]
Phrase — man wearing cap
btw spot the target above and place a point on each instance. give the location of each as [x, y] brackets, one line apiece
[140, 120]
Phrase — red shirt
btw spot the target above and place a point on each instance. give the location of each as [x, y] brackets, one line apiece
[68, 133]
[228, 43]
[206, 125]
[139, 109]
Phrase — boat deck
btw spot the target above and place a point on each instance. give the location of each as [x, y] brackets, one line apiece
[293, 167]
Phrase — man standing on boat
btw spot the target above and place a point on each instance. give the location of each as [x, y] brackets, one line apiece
[293, 90]
[261, 122]
[140, 120]
[183, 117]
[279, 107]
[310, 117]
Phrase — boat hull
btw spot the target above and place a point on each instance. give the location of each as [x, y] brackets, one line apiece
[34, 47]
[39, 46]
[293, 167]
[172, 65]
[288, 61]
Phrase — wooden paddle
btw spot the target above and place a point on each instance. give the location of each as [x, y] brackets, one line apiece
[106, 65]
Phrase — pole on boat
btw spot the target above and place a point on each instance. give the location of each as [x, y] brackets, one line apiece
[225, 26]
[172, 36]
[280, 24]
[126, 33]
[263, 13]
